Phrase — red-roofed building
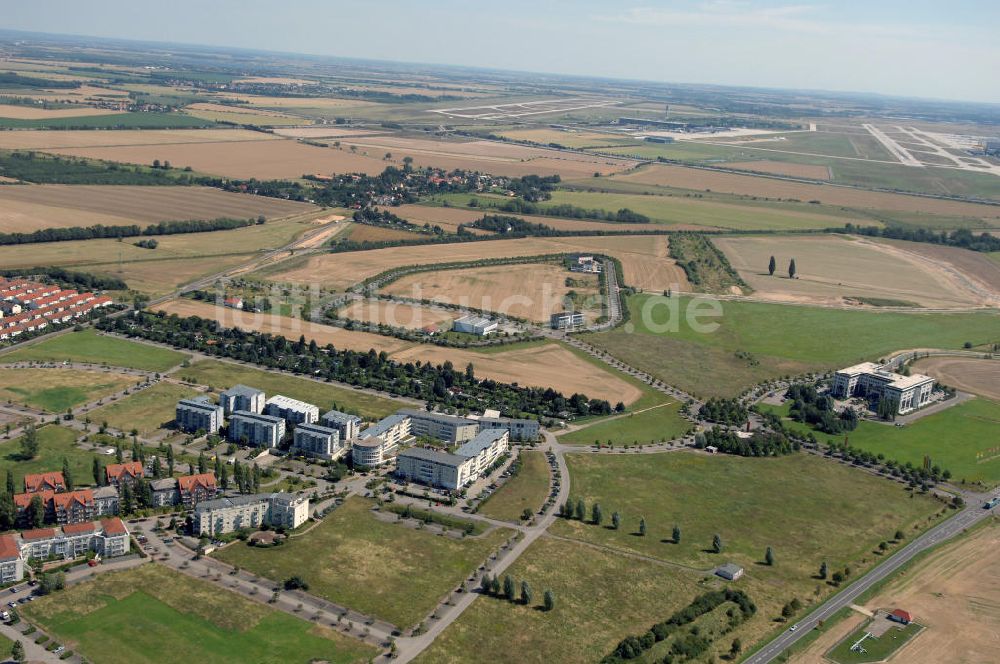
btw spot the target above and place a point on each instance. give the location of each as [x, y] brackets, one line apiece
[11, 565]
[901, 616]
[109, 538]
[195, 488]
[119, 473]
[36, 482]
[62, 508]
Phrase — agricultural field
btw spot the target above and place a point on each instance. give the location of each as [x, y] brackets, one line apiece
[450, 218]
[397, 314]
[114, 121]
[809, 171]
[146, 410]
[645, 260]
[971, 374]
[833, 269]
[55, 390]
[542, 365]
[130, 616]
[735, 497]
[757, 341]
[530, 291]
[377, 567]
[975, 265]
[367, 233]
[69, 139]
[92, 347]
[220, 375]
[30, 208]
[950, 591]
[55, 443]
[239, 115]
[526, 490]
[570, 139]
[681, 177]
[642, 426]
[708, 214]
[22, 112]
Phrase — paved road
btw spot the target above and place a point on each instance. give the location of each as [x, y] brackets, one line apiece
[955, 525]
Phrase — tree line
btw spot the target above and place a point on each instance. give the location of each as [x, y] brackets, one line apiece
[961, 237]
[68, 278]
[437, 384]
[101, 231]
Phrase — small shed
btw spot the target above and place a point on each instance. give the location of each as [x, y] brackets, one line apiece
[730, 571]
[900, 616]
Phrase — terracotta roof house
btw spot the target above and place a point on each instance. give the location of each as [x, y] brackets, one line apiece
[195, 488]
[901, 616]
[35, 482]
[116, 473]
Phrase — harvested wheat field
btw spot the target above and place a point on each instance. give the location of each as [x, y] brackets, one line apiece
[267, 159]
[20, 112]
[299, 102]
[832, 269]
[644, 259]
[974, 264]
[53, 139]
[971, 374]
[324, 132]
[954, 593]
[533, 291]
[397, 314]
[290, 328]
[811, 171]
[367, 233]
[29, 208]
[549, 365]
[449, 218]
[233, 109]
[702, 179]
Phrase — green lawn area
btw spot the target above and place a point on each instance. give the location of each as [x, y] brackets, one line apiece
[600, 599]
[141, 614]
[55, 390]
[89, 346]
[5, 646]
[526, 490]
[379, 568]
[654, 424]
[118, 120]
[805, 507]
[223, 375]
[756, 342]
[876, 650]
[147, 410]
[54, 444]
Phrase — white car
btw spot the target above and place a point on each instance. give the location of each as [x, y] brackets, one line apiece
[793, 628]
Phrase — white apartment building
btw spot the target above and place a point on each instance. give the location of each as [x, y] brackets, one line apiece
[255, 429]
[291, 410]
[317, 441]
[241, 397]
[224, 515]
[372, 452]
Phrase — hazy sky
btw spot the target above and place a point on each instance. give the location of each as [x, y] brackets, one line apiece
[927, 48]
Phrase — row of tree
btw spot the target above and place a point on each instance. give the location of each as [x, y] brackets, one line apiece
[101, 231]
[490, 585]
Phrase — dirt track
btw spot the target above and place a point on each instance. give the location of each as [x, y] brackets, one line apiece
[980, 377]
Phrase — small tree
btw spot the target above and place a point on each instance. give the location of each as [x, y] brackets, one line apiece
[596, 514]
[677, 534]
[581, 510]
[549, 599]
[526, 595]
[495, 585]
[526, 514]
[772, 266]
[616, 520]
[791, 269]
[67, 474]
[823, 570]
[769, 557]
[735, 649]
[899, 535]
[717, 543]
[642, 526]
[29, 442]
[485, 584]
[508, 587]
[17, 652]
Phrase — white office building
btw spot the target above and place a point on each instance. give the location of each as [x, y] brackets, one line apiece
[291, 410]
[453, 471]
[448, 428]
[874, 381]
[472, 324]
[372, 452]
[256, 429]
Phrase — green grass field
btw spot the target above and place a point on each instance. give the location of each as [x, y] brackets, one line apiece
[223, 375]
[654, 424]
[600, 599]
[379, 568]
[138, 615]
[54, 444]
[116, 121]
[55, 390]
[803, 506]
[147, 410]
[526, 490]
[876, 650]
[89, 346]
[756, 342]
